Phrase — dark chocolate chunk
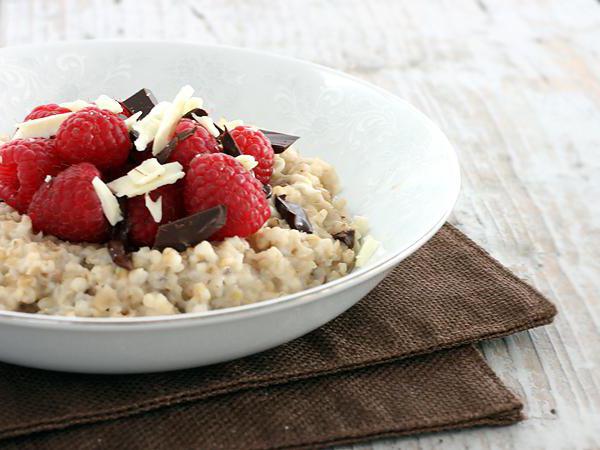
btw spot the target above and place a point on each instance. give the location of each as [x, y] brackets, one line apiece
[280, 141]
[346, 237]
[228, 143]
[30, 308]
[143, 100]
[120, 231]
[268, 190]
[191, 230]
[163, 156]
[120, 256]
[118, 246]
[293, 214]
[197, 111]
[133, 135]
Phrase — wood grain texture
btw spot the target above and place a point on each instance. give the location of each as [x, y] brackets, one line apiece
[516, 86]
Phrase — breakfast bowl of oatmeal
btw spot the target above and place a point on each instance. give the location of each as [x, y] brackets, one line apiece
[171, 205]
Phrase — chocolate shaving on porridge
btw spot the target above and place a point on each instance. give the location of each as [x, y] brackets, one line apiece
[280, 141]
[293, 214]
[143, 100]
[346, 237]
[163, 156]
[118, 246]
[30, 308]
[119, 255]
[191, 230]
[229, 145]
[268, 190]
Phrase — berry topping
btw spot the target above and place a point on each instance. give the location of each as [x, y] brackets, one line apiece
[253, 142]
[69, 208]
[139, 173]
[96, 136]
[50, 109]
[201, 141]
[218, 179]
[25, 163]
[142, 221]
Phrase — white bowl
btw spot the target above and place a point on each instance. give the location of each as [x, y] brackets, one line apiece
[396, 166]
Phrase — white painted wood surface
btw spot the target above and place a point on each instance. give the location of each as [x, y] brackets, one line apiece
[516, 86]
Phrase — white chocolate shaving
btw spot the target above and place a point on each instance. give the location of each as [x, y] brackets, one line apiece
[76, 105]
[207, 123]
[367, 250]
[102, 102]
[108, 103]
[154, 207]
[230, 124]
[247, 161]
[42, 128]
[110, 204]
[132, 120]
[148, 126]
[127, 186]
[192, 103]
[147, 171]
[158, 126]
[171, 118]
[361, 224]
[278, 164]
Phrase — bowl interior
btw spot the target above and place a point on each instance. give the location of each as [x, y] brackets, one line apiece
[396, 167]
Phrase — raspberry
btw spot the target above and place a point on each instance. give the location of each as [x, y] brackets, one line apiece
[218, 179]
[69, 208]
[41, 111]
[25, 164]
[143, 228]
[253, 142]
[96, 136]
[199, 142]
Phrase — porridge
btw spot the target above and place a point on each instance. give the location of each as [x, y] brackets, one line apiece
[163, 211]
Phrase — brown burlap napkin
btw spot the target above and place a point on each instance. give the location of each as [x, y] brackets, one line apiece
[345, 382]
[382, 400]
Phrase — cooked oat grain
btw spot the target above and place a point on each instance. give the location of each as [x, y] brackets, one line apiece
[81, 280]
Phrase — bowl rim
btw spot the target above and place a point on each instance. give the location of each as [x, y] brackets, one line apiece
[287, 301]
